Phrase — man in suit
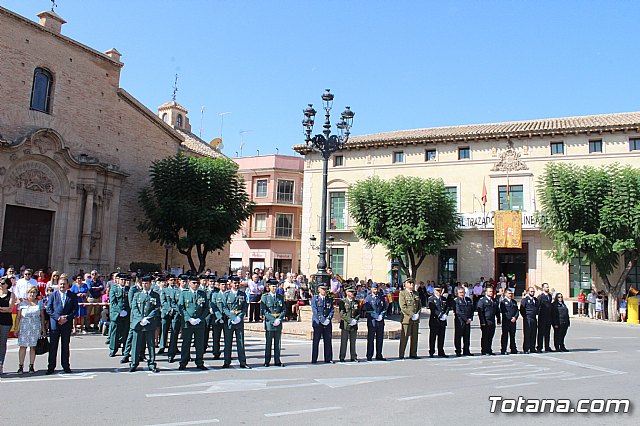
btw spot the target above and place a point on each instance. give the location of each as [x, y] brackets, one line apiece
[194, 309]
[510, 314]
[350, 314]
[375, 306]
[488, 313]
[462, 327]
[62, 309]
[234, 306]
[145, 311]
[544, 319]
[273, 310]
[439, 310]
[119, 311]
[410, 306]
[322, 309]
[529, 311]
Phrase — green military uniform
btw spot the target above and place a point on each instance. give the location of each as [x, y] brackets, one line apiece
[349, 310]
[193, 305]
[409, 306]
[217, 320]
[166, 316]
[176, 321]
[119, 311]
[133, 290]
[145, 310]
[273, 310]
[234, 307]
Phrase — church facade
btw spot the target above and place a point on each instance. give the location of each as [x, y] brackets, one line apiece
[75, 150]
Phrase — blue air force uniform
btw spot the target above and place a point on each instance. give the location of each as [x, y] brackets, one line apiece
[509, 311]
[322, 309]
[488, 313]
[462, 329]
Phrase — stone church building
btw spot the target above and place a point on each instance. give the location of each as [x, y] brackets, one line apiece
[75, 150]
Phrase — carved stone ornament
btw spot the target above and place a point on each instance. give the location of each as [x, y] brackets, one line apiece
[34, 180]
[509, 161]
[44, 144]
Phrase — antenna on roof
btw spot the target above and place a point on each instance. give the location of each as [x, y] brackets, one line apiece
[53, 4]
[221, 115]
[242, 132]
[201, 117]
[175, 88]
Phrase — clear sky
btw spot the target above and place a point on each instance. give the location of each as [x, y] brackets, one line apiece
[398, 64]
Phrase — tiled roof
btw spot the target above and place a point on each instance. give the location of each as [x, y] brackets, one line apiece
[195, 144]
[172, 104]
[527, 128]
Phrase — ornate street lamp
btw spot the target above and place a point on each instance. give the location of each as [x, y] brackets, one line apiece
[326, 144]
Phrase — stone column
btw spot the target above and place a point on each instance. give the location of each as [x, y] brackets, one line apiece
[88, 222]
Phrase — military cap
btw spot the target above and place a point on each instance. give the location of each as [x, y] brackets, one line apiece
[323, 286]
[146, 278]
[374, 285]
[350, 289]
[222, 280]
[272, 281]
[122, 275]
[211, 278]
[235, 279]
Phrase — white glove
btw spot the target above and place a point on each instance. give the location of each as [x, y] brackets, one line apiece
[379, 318]
[123, 313]
[221, 321]
[443, 317]
[192, 321]
[210, 310]
[353, 321]
[326, 322]
[198, 321]
[237, 320]
[276, 322]
[144, 321]
[415, 316]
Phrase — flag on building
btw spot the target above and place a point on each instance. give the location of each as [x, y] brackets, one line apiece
[484, 193]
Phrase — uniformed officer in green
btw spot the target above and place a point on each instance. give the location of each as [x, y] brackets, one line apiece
[118, 314]
[410, 309]
[166, 313]
[234, 307]
[145, 311]
[194, 309]
[350, 314]
[135, 285]
[176, 322]
[273, 310]
[217, 316]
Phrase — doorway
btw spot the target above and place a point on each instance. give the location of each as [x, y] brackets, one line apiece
[513, 263]
[282, 265]
[27, 237]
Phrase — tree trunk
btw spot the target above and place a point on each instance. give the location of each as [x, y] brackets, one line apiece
[202, 257]
[188, 254]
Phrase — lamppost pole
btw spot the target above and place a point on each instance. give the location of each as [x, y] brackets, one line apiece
[326, 144]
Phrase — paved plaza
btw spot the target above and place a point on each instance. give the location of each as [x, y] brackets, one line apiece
[603, 363]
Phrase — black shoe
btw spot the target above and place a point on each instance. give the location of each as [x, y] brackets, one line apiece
[400, 357]
[160, 351]
[125, 360]
[202, 367]
[458, 354]
[112, 354]
[503, 352]
[443, 356]
[172, 359]
[49, 372]
[279, 364]
[182, 367]
[355, 360]
[483, 353]
[431, 355]
[314, 362]
[341, 360]
[31, 369]
[143, 359]
[155, 370]
[380, 358]
[266, 364]
[369, 358]
[414, 357]
[133, 369]
[226, 365]
[526, 352]
[216, 356]
[514, 352]
[491, 353]
[245, 366]
[20, 370]
[67, 371]
[467, 354]
[548, 350]
[329, 362]
[563, 349]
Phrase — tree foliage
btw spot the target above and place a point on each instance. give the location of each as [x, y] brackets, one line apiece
[593, 213]
[194, 203]
[411, 217]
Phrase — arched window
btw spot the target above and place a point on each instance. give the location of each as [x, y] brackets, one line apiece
[179, 120]
[41, 90]
[164, 117]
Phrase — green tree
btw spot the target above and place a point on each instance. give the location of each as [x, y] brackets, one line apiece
[411, 217]
[593, 213]
[194, 203]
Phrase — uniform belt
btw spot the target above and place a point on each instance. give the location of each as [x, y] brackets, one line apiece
[276, 315]
[236, 312]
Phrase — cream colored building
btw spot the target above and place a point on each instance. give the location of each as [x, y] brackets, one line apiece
[75, 150]
[465, 156]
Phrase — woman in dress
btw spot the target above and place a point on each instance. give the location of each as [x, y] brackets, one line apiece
[7, 301]
[81, 289]
[560, 322]
[54, 280]
[29, 327]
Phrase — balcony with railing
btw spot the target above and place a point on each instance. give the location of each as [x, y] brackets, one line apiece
[293, 198]
[337, 223]
[271, 233]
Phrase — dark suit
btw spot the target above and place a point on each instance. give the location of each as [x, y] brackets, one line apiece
[529, 311]
[544, 321]
[561, 322]
[488, 313]
[464, 312]
[57, 309]
[509, 310]
[438, 306]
